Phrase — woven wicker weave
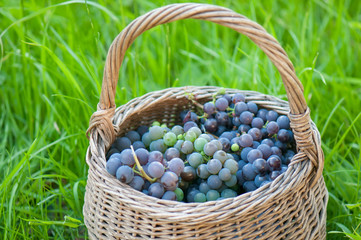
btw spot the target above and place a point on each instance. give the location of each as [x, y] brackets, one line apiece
[291, 207]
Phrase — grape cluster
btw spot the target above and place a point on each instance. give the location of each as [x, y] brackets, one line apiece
[228, 147]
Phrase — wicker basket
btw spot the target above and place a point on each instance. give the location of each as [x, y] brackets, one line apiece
[291, 207]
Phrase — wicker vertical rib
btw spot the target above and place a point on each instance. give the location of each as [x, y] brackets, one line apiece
[291, 207]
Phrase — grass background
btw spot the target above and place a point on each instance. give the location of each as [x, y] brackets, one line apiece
[51, 65]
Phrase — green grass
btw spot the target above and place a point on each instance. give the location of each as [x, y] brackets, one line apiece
[51, 66]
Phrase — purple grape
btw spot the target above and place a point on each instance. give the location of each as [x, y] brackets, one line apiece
[137, 183]
[169, 181]
[252, 107]
[274, 174]
[255, 144]
[221, 104]
[238, 97]
[209, 108]
[122, 143]
[243, 128]
[276, 151]
[246, 117]
[266, 150]
[257, 122]
[186, 147]
[253, 155]
[241, 164]
[176, 165]
[113, 164]
[283, 136]
[156, 169]
[211, 125]
[240, 107]
[214, 182]
[133, 136]
[222, 118]
[283, 122]
[268, 141]
[202, 171]
[259, 179]
[138, 145]
[226, 144]
[171, 153]
[169, 195]
[271, 116]
[272, 128]
[155, 156]
[126, 157]
[236, 121]
[249, 186]
[245, 140]
[214, 166]
[189, 125]
[125, 174]
[244, 153]
[188, 174]
[156, 190]
[255, 133]
[248, 172]
[228, 97]
[260, 166]
[274, 162]
[142, 129]
[262, 113]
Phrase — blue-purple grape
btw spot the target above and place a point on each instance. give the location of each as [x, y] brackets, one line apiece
[156, 169]
[176, 165]
[211, 125]
[225, 174]
[274, 162]
[155, 156]
[188, 174]
[137, 183]
[283, 122]
[189, 125]
[246, 117]
[240, 179]
[169, 195]
[257, 122]
[268, 141]
[272, 128]
[171, 153]
[113, 164]
[243, 128]
[202, 171]
[214, 166]
[186, 147]
[156, 190]
[133, 136]
[241, 163]
[260, 166]
[249, 186]
[236, 121]
[214, 182]
[221, 104]
[248, 172]
[222, 119]
[245, 140]
[122, 143]
[274, 174]
[142, 129]
[169, 180]
[125, 174]
[266, 150]
[271, 115]
[212, 195]
[276, 151]
[126, 157]
[283, 136]
[226, 144]
[262, 113]
[253, 155]
[244, 153]
[238, 97]
[252, 107]
[209, 108]
[240, 107]
[138, 144]
[259, 179]
[255, 133]
[255, 144]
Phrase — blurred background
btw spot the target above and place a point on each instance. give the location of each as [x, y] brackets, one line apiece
[51, 66]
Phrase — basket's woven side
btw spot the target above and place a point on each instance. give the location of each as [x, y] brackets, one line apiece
[300, 118]
[288, 208]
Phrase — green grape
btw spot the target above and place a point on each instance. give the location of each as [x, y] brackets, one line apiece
[199, 144]
[179, 193]
[170, 139]
[190, 136]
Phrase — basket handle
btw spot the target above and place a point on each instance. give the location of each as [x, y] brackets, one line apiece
[101, 120]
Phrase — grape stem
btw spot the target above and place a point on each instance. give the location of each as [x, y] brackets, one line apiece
[140, 168]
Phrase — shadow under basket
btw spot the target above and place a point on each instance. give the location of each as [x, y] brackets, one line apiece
[293, 206]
